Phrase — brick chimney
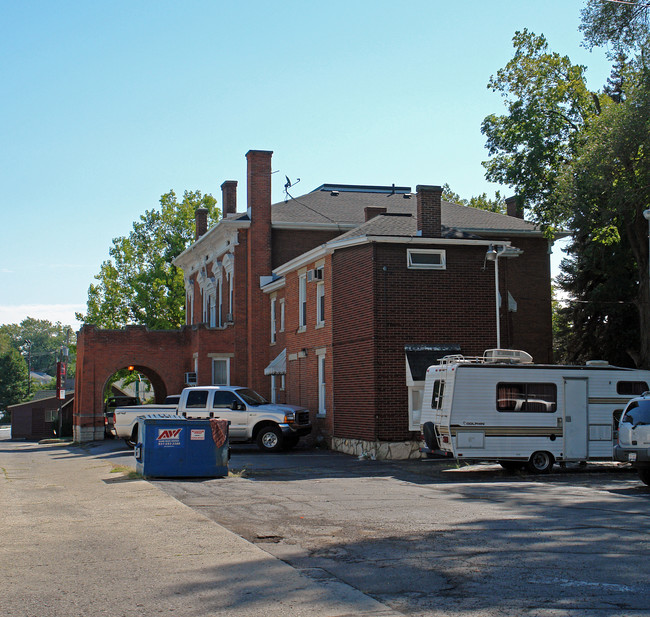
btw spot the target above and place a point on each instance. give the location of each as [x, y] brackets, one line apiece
[514, 207]
[372, 211]
[259, 264]
[201, 220]
[229, 197]
[429, 200]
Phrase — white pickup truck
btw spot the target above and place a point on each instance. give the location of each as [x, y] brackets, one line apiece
[252, 418]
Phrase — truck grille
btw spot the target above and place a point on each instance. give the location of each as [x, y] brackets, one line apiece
[302, 417]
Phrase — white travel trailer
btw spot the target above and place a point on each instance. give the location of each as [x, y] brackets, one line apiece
[502, 407]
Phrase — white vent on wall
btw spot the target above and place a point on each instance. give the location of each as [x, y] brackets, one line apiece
[190, 379]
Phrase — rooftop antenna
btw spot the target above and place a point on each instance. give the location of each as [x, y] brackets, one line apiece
[287, 185]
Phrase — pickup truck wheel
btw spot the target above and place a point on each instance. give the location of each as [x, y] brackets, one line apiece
[269, 439]
[131, 441]
[540, 462]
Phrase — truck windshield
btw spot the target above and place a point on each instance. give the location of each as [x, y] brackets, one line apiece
[637, 413]
[251, 397]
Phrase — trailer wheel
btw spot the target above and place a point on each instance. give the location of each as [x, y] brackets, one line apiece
[430, 438]
[540, 462]
[644, 475]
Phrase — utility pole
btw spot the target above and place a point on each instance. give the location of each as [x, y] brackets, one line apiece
[28, 346]
[61, 376]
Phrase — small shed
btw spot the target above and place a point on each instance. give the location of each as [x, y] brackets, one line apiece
[39, 419]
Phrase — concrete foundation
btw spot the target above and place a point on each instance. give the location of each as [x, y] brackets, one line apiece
[378, 450]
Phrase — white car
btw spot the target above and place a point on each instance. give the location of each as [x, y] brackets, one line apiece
[634, 436]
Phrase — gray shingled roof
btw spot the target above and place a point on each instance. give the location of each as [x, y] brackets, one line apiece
[347, 208]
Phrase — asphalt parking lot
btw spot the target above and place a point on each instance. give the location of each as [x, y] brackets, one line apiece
[429, 538]
[414, 537]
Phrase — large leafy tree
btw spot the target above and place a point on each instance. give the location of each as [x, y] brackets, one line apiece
[607, 189]
[579, 159]
[482, 201]
[620, 25]
[139, 284]
[44, 340]
[13, 374]
[547, 103]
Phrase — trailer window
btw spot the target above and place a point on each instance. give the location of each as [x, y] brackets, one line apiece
[438, 391]
[527, 397]
[634, 388]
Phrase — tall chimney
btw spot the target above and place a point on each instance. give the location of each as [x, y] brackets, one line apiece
[429, 200]
[372, 211]
[259, 264]
[229, 197]
[201, 221]
[514, 207]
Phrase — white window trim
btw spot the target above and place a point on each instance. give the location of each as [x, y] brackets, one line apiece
[273, 322]
[302, 302]
[218, 358]
[320, 293]
[322, 383]
[281, 314]
[441, 266]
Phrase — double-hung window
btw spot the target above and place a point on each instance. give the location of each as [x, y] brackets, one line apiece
[320, 304]
[273, 320]
[302, 300]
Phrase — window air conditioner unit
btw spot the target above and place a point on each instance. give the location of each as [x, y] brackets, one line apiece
[315, 275]
[190, 379]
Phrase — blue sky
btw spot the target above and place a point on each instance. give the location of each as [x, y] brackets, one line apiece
[105, 106]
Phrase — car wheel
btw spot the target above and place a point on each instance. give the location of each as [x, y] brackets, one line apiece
[540, 462]
[269, 439]
[644, 475]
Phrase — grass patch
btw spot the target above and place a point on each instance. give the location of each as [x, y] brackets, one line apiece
[237, 473]
[127, 471]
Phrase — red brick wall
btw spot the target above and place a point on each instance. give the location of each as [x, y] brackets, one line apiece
[381, 306]
[290, 243]
[302, 344]
[528, 278]
[354, 343]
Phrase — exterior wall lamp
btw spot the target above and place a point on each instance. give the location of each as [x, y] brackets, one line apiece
[493, 253]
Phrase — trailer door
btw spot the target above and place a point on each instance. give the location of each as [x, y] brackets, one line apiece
[575, 418]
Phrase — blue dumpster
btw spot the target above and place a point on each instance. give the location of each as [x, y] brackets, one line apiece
[174, 447]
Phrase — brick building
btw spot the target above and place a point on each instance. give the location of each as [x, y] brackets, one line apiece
[338, 300]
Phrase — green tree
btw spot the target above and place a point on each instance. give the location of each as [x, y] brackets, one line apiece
[547, 103]
[482, 201]
[580, 160]
[46, 339]
[13, 374]
[623, 26]
[606, 189]
[139, 284]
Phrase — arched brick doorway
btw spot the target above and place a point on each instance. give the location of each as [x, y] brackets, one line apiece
[163, 356]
